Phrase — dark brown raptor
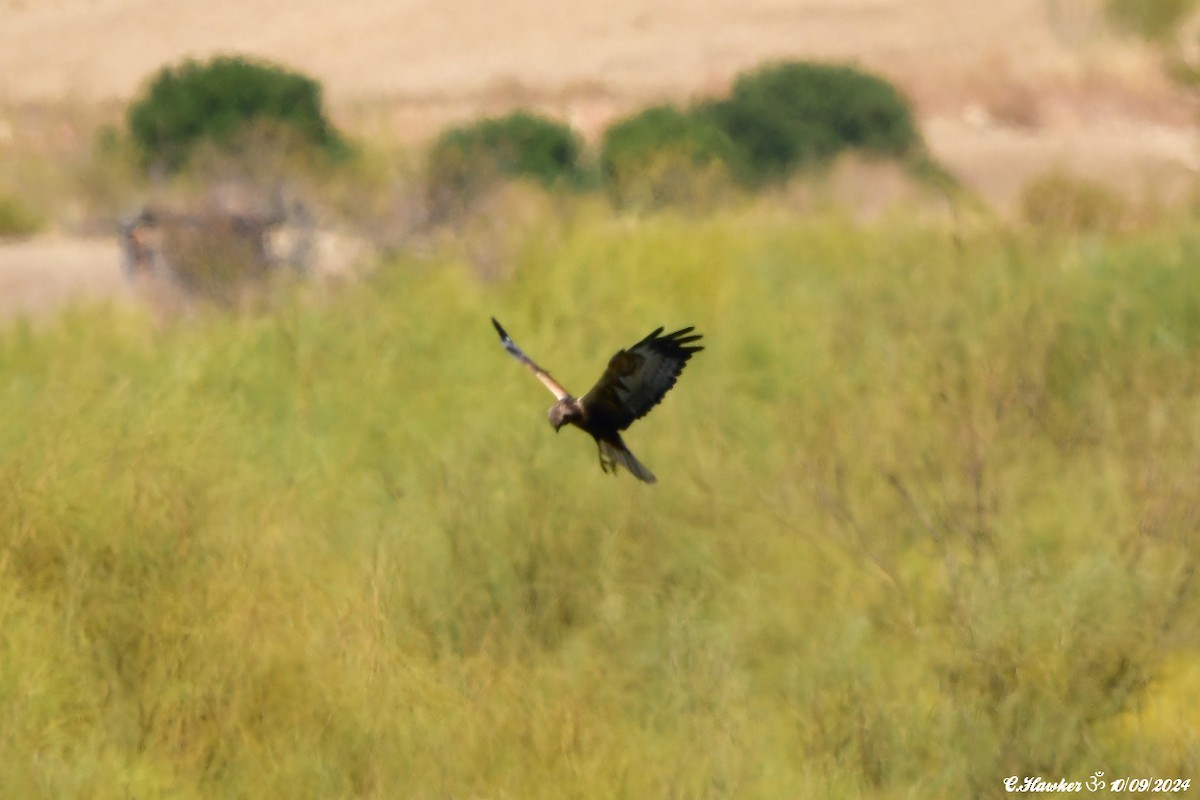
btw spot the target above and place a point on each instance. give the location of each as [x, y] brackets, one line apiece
[634, 382]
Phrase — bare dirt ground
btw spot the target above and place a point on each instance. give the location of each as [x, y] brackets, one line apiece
[47, 272]
[1006, 90]
[457, 48]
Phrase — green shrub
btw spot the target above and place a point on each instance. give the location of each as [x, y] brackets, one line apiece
[664, 156]
[17, 218]
[795, 115]
[215, 102]
[468, 158]
[1057, 202]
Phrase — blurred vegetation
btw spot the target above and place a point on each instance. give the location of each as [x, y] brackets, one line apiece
[791, 116]
[926, 519]
[1057, 202]
[927, 515]
[468, 159]
[1156, 20]
[666, 156]
[17, 218]
[779, 120]
[213, 103]
[202, 128]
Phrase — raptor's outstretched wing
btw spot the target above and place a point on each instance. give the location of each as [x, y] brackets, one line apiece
[637, 378]
[543, 376]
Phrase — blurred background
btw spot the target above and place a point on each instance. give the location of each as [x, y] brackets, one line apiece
[1004, 93]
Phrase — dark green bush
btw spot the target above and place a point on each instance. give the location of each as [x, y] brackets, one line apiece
[795, 115]
[664, 155]
[215, 102]
[467, 158]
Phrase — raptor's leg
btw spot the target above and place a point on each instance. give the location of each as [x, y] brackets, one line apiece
[606, 463]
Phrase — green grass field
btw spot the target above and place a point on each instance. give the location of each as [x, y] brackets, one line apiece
[927, 518]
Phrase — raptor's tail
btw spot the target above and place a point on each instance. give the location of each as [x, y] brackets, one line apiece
[615, 454]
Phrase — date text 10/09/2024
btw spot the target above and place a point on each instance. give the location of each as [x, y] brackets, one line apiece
[1096, 783]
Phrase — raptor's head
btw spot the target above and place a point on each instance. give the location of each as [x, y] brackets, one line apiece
[563, 412]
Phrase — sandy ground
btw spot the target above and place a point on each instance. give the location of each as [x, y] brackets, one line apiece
[1006, 90]
[457, 48]
[47, 272]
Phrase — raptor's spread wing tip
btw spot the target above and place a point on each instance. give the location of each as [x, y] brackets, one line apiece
[508, 343]
[543, 376]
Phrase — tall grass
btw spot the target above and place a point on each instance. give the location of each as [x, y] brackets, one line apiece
[926, 518]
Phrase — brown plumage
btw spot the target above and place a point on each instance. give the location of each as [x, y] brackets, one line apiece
[634, 382]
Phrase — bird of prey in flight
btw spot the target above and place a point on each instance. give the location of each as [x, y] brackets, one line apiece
[634, 382]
